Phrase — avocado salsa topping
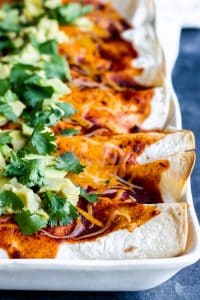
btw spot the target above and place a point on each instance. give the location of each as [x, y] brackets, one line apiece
[33, 77]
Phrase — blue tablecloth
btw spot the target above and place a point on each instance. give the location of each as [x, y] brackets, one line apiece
[186, 284]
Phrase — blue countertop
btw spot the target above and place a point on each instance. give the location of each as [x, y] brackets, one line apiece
[186, 284]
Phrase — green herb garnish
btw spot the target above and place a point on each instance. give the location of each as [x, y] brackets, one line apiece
[61, 212]
[29, 223]
[9, 199]
[70, 132]
[42, 140]
[69, 162]
[92, 198]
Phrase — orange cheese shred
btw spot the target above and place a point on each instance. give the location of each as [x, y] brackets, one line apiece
[90, 217]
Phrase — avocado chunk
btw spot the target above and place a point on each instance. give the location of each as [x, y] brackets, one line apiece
[63, 186]
[30, 200]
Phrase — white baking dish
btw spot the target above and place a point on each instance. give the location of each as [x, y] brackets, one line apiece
[85, 275]
[120, 275]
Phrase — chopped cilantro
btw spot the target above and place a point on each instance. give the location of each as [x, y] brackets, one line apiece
[9, 199]
[48, 117]
[11, 21]
[27, 85]
[68, 13]
[6, 44]
[61, 212]
[69, 162]
[29, 223]
[92, 198]
[5, 138]
[33, 95]
[15, 166]
[57, 67]
[6, 110]
[49, 47]
[27, 172]
[68, 109]
[42, 140]
[19, 73]
[4, 85]
[70, 132]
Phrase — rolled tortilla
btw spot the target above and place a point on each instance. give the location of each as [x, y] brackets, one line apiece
[150, 55]
[163, 236]
[167, 144]
[160, 105]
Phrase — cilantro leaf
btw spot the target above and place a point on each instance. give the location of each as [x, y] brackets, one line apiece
[6, 110]
[57, 67]
[61, 212]
[4, 85]
[11, 22]
[68, 109]
[9, 199]
[70, 132]
[6, 44]
[67, 14]
[15, 166]
[27, 172]
[33, 95]
[5, 138]
[69, 162]
[92, 198]
[48, 117]
[33, 174]
[49, 47]
[42, 140]
[29, 223]
[27, 85]
[19, 73]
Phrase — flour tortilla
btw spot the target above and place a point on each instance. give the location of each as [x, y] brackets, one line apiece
[163, 236]
[173, 179]
[141, 14]
[168, 144]
[160, 105]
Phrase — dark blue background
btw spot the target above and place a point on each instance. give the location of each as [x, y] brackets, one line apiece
[186, 284]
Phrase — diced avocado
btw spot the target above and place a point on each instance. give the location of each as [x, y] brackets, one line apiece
[59, 87]
[3, 120]
[2, 162]
[52, 3]
[43, 214]
[26, 130]
[3, 180]
[84, 23]
[29, 55]
[46, 159]
[33, 8]
[51, 172]
[30, 200]
[4, 70]
[5, 150]
[17, 107]
[65, 186]
[18, 141]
